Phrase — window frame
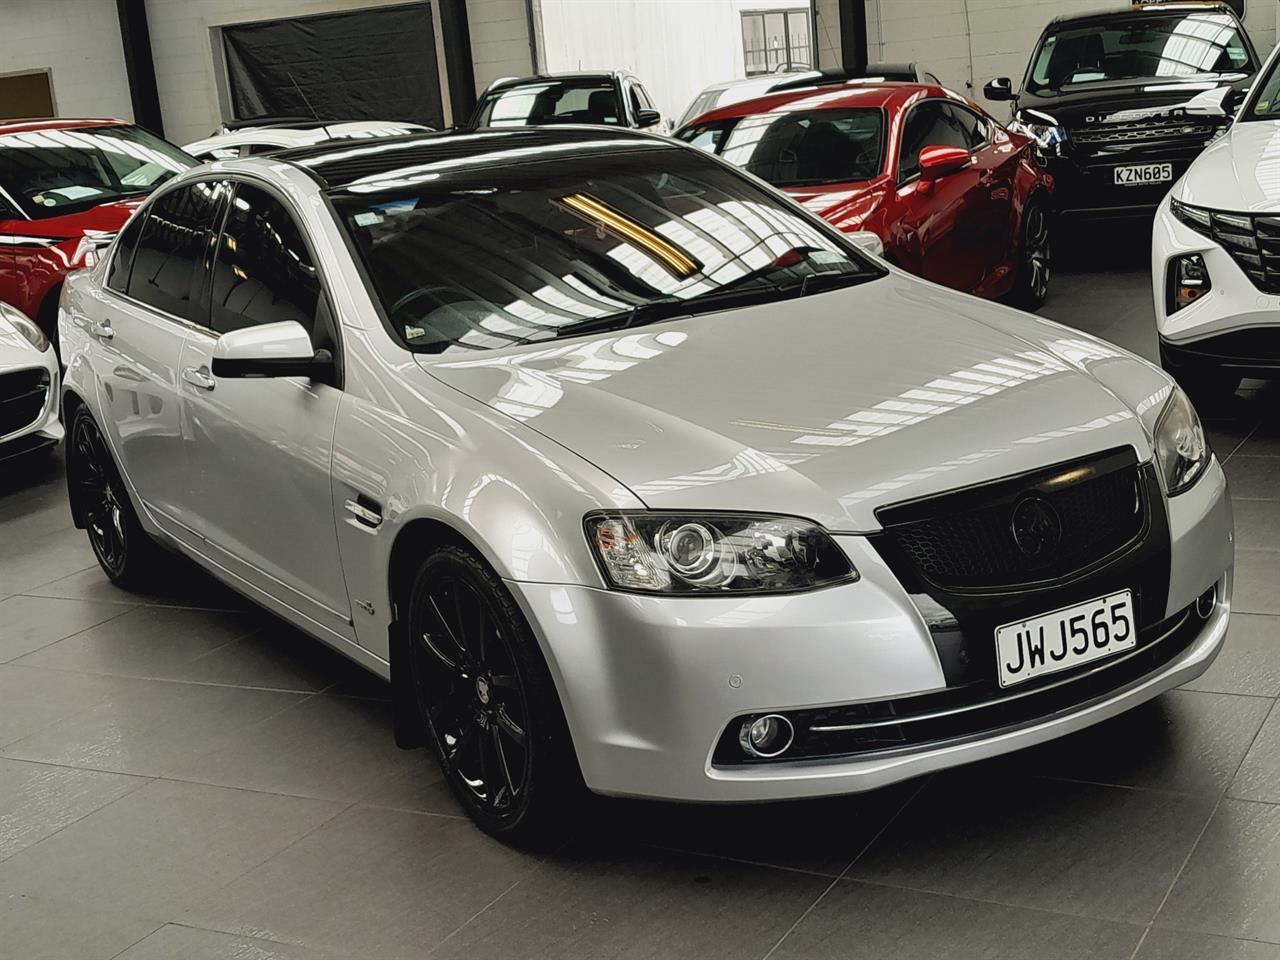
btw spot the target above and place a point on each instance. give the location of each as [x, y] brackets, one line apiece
[326, 313]
[194, 289]
[902, 132]
[788, 65]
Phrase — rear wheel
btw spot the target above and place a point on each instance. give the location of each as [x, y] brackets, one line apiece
[127, 555]
[1031, 287]
[488, 701]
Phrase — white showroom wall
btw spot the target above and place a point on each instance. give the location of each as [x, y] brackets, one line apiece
[677, 47]
[78, 42]
[967, 42]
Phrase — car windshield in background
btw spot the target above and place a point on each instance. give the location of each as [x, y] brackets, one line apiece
[1183, 44]
[546, 249]
[554, 101]
[799, 148]
[1265, 104]
[52, 172]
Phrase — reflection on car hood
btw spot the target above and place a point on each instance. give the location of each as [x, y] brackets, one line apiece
[1238, 171]
[826, 406]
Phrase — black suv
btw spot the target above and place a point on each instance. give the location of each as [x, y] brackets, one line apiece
[1121, 102]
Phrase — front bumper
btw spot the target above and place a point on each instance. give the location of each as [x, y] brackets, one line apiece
[1234, 325]
[1085, 188]
[26, 424]
[649, 684]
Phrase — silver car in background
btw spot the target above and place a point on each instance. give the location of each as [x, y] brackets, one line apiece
[631, 475]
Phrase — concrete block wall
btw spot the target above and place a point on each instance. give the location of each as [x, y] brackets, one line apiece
[78, 41]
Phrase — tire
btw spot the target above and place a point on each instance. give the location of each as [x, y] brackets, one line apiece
[127, 555]
[1205, 384]
[1031, 286]
[488, 702]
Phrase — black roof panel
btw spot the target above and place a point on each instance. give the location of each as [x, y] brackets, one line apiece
[337, 164]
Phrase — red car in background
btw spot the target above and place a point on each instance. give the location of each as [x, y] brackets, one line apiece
[954, 196]
[66, 187]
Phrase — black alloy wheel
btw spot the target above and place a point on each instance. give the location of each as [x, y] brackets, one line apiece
[487, 699]
[1035, 261]
[124, 551]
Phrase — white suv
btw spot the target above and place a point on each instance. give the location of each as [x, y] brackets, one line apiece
[246, 138]
[1215, 256]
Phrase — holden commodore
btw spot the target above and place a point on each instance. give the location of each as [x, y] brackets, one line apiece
[631, 475]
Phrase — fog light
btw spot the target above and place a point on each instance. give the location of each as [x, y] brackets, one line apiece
[766, 736]
[1188, 281]
[1206, 602]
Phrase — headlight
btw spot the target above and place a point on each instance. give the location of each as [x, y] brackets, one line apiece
[1197, 218]
[1181, 451]
[1042, 128]
[29, 331]
[677, 553]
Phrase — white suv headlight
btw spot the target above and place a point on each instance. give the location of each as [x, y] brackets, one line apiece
[677, 553]
[1181, 450]
[28, 330]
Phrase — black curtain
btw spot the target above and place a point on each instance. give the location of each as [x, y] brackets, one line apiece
[370, 64]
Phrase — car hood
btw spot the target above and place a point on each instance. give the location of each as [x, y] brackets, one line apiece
[826, 406]
[105, 217]
[1235, 171]
[1087, 104]
[845, 205]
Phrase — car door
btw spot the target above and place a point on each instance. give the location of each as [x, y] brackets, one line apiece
[931, 237]
[142, 323]
[987, 214]
[261, 447]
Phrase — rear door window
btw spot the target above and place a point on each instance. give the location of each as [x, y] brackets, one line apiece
[122, 259]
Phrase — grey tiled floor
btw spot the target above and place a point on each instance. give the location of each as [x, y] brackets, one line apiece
[184, 777]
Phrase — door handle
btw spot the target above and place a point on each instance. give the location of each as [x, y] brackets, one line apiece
[199, 378]
[102, 330]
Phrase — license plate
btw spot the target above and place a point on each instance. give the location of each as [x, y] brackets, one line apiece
[1065, 638]
[1143, 174]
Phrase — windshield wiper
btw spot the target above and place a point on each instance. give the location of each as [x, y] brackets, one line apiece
[673, 308]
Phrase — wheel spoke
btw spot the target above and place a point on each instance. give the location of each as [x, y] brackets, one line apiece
[471, 621]
[439, 654]
[510, 727]
[449, 630]
[502, 761]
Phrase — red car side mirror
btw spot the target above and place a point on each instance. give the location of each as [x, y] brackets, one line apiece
[937, 162]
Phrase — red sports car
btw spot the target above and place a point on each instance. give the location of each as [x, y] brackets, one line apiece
[66, 187]
[954, 196]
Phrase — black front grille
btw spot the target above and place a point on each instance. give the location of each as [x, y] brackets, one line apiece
[966, 540]
[970, 711]
[1142, 132]
[1252, 241]
[23, 394]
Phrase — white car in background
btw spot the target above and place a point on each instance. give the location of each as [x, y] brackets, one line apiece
[247, 138]
[729, 92]
[28, 387]
[1215, 255]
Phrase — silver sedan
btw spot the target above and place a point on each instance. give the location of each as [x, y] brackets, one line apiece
[630, 475]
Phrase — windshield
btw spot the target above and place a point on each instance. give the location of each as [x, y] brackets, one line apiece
[552, 101]
[1158, 45]
[1264, 104]
[800, 148]
[533, 251]
[52, 172]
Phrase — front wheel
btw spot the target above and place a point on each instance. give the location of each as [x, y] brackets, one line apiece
[488, 701]
[1031, 286]
[127, 555]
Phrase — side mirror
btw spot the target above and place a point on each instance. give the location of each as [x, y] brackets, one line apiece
[1001, 88]
[271, 350]
[937, 162]
[867, 242]
[648, 118]
[1214, 103]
